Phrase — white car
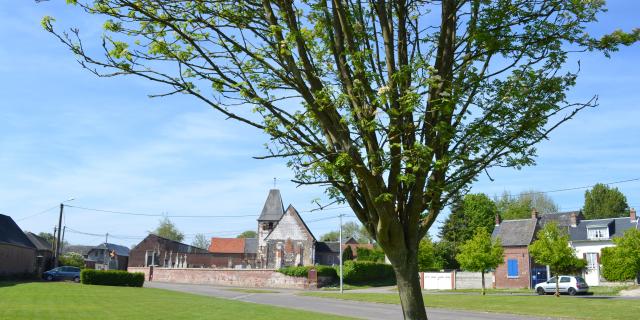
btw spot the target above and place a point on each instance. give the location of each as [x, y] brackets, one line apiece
[567, 284]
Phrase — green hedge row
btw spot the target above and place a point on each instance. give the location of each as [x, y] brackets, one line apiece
[323, 271]
[357, 272]
[112, 278]
[375, 255]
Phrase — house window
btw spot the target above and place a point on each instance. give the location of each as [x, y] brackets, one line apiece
[512, 268]
[598, 233]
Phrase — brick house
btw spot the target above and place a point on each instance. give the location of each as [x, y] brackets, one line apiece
[515, 236]
[44, 253]
[155, 250]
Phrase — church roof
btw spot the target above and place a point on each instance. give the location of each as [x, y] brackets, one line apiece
[273, 208]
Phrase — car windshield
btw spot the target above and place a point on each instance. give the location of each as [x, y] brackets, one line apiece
[552, 279]
[580, 280]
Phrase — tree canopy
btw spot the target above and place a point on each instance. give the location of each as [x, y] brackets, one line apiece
[396, 106]
[520, 206]
[248, 234]
[167, 229]
[201, 241]
[601, 201]
[428, 259]
[481, 254]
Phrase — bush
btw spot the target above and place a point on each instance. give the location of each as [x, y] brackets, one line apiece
[615, 266]
[323, 271]
[112, 278]
[365, 254]
[72, 259]
[357, 272]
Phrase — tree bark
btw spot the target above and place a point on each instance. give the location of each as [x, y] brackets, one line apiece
[409, 288]
[557, 286]
[483, 292]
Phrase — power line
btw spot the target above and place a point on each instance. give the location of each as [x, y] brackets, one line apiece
[576, 188]
[37, 214]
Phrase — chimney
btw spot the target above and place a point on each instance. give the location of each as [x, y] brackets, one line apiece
[497, 219]
[534, 214]
[574, 219]
[632, 215]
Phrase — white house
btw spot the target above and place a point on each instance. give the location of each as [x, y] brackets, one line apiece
[588, 237]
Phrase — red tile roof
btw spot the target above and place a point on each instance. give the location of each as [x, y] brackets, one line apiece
[227, 245]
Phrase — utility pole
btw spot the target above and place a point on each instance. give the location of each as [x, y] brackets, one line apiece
[56, 261]
[53, 241]
[62, 242]
[106, 238]
[341, 252]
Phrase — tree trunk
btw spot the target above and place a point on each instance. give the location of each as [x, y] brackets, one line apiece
[557, 286]
[483, 293]
[409, 288]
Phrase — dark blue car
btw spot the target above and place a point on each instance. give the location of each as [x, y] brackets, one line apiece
[62, 273]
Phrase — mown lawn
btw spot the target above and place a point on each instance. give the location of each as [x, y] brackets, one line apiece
[550, 306]
[40, 300]
[595, 290]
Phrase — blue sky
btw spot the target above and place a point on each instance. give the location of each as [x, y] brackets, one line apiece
[65, 133]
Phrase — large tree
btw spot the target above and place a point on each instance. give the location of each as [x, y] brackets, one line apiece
[201, 241]
[481, 254]
[394, 105]
[520, 206]
[248, 234]
[601, 201]
[552, 248]
[168, 229]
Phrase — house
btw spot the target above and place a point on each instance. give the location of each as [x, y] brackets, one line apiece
[237, 251]
[108, 256]
[518, 269]
[155, 250]
[44, 253]
[328, 252]
[587, 237]
[17, 253]
[79, 249]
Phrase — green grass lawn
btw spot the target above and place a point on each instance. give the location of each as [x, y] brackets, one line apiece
[596, 290]
[574, 308]
[40, 300]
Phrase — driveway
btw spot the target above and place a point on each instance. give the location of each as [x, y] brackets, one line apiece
[363, 310]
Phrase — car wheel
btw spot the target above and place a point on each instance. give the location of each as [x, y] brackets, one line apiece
[540, 291]
[572, 291]
[49, 278]
[76, 279]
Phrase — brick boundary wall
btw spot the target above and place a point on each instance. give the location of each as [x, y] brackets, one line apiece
[253, 278]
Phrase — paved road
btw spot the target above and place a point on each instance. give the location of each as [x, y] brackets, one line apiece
[362, 310]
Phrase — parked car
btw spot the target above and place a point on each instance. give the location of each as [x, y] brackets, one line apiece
[567, 284]
[62, 273]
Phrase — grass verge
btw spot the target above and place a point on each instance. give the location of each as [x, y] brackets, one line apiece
[541, 306]
[40, 300]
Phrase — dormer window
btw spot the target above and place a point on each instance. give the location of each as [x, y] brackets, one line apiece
[598, 233]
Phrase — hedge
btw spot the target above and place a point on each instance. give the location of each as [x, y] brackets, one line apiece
[615, 266]
[357, 272]
[112, 278]
[323, 271]
[365, 254]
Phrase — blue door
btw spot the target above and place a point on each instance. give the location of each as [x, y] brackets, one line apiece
[538, 275]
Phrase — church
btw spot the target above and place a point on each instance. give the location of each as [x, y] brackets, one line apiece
[283, 239]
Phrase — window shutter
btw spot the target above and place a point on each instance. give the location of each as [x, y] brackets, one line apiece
[584, 256]
[598, 257]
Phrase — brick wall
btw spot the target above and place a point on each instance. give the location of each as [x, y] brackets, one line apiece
[254, 278]
[522, 280]
[16, 260]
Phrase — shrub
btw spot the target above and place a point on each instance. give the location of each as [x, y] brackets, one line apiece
[347, 254]
[356, 272]
[365, 254]
[72, 259]
[614, 265]
[323, 271]
[112, 278]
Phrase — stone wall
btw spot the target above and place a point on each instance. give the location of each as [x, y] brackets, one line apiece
[253, 278]
[473, 280]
